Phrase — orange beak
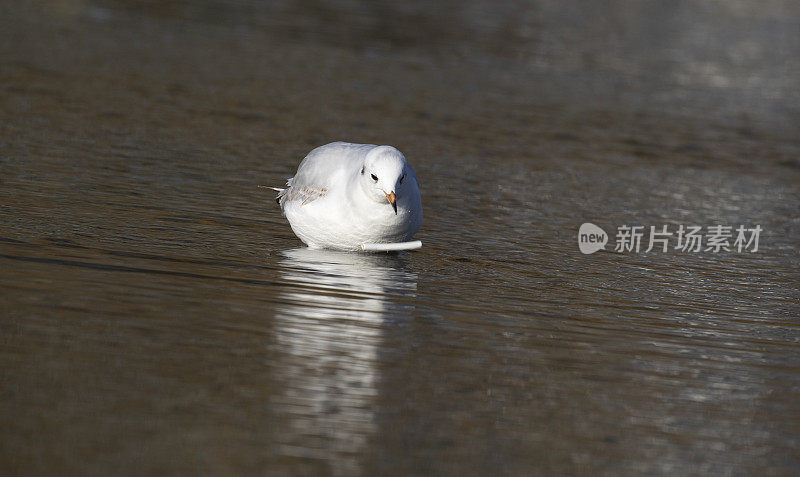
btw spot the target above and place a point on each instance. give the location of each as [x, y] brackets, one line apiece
[392, 200]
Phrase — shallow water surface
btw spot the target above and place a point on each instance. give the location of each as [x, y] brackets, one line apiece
[159, 316]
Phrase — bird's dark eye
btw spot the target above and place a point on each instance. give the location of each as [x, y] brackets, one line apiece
[362, 171]
[374, 177]
[401, 179]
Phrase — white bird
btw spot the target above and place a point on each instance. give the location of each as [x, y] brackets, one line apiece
[344, 195]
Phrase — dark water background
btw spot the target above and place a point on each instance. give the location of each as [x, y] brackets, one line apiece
[159, 316]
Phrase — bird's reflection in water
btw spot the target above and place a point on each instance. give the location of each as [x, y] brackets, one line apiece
[329, 327]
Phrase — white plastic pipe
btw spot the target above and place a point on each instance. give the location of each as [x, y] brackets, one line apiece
[390, 247]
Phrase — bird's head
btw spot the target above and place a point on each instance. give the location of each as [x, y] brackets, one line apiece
[383, 173]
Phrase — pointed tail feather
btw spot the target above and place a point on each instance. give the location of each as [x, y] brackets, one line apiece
[281, 192]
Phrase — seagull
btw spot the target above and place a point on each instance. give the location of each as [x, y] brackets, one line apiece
[345, 195]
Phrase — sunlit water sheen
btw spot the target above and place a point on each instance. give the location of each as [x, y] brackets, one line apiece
[159, 316]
